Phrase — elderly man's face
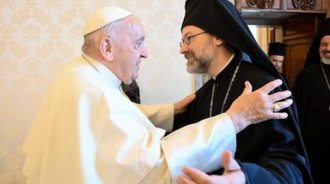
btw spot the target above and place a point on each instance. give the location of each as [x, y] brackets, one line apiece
[324, 50]
[129, 49]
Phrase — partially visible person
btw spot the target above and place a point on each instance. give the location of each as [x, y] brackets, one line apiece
[132, 91]
[276, 53]
[312, 95]
[88, 131]
[214, 36]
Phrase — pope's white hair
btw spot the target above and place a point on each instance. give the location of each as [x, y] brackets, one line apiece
[113, 30]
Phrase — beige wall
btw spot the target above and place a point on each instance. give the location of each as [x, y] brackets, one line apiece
[38, 37]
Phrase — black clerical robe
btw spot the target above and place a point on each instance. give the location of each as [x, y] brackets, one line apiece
[132, 91]
[269, 151]
[313, 101]
[285, 79]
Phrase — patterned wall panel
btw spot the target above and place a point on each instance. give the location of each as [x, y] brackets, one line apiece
[37, 37]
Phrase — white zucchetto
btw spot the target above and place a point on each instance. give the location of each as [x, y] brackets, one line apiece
[103, 17]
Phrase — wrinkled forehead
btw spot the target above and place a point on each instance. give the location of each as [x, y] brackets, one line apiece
[131, 28]
[137, 26]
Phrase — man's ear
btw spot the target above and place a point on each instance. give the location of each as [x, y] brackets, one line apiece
[106, 48]
[218, 41]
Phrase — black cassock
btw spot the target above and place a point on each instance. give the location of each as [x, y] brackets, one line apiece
[268, 146]
[313, 101]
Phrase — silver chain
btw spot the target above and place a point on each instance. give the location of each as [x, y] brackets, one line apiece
[211, 103]
[229, 87]
[228, 90]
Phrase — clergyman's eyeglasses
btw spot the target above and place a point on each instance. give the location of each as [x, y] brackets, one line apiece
[187, 39]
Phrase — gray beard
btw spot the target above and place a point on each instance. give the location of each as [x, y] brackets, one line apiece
[194, 70]
[325, 61]
[198, 67]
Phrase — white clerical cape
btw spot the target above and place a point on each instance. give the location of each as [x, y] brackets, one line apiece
[87, 131]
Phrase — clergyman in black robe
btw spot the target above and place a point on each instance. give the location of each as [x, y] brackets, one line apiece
[270, 152]
[312, 94]
[276, 53]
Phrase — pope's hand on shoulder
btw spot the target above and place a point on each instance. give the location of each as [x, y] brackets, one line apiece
[258, 106]
[181, 106]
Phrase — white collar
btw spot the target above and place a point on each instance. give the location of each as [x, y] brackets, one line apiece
[103, 70]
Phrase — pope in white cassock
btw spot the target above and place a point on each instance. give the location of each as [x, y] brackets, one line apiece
[88, 131]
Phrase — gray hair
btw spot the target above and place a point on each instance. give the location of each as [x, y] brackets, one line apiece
[92, 40]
